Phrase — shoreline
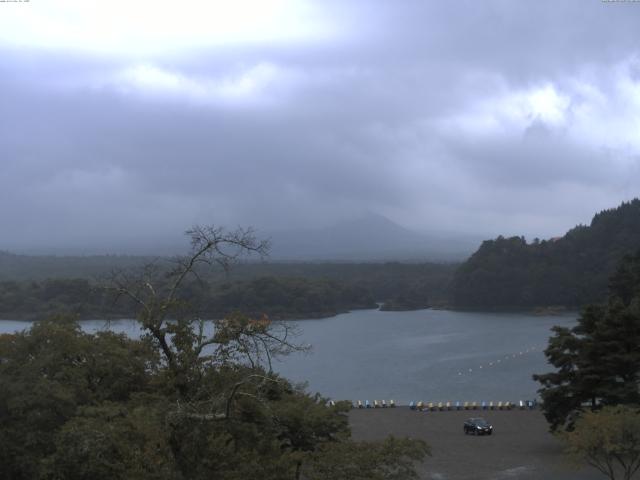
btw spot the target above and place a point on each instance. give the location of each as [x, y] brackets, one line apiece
[325, 315]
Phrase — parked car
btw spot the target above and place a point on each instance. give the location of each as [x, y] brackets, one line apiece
[477, 426]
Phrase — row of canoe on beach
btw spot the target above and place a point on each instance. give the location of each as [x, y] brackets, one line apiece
[376, 404]
[441, 406]
[432, 407]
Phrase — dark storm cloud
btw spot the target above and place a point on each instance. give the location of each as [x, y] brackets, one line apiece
[479, 117]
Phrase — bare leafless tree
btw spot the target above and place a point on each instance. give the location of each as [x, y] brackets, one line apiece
[188, 348]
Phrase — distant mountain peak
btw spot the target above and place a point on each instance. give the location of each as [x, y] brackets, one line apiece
[370, 236]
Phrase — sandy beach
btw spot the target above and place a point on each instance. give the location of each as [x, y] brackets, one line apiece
[521, 446]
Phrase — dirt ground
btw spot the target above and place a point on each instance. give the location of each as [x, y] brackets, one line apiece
[520, 448]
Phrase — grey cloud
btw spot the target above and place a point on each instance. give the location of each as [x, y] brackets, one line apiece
[344, 128]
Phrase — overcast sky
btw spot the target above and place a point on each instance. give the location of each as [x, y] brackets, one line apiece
[125, 121]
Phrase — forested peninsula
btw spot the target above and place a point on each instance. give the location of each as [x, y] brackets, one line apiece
[569, 271]
[282, 291]
[281, 298]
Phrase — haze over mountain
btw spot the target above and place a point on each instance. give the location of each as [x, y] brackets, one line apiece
[371, 237]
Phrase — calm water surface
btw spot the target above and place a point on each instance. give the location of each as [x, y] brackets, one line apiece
[430, 355]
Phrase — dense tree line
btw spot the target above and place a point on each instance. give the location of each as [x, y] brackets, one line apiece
[41, 267]
[280, 290]
[598, 361]
[182, 402]
[419, 283]
[278, 297]
[32, 300]
[77, 406]
[569, 271]
[382, 279]
[288, 297]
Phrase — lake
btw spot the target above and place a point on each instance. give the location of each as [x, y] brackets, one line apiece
[430, 355]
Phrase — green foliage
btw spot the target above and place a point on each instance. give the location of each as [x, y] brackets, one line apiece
[80, 406]
[183, 403]
[281, 297]
[570, 271]
[109, 441]
[608, 440]
[50, 372]
[43, 267]
[598, 360]
[392, 459]
[420, 282]
[31, 287]
[317, 290]
[287, 297]
[32, 300]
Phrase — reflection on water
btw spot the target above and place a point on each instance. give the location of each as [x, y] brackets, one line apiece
[431, 355]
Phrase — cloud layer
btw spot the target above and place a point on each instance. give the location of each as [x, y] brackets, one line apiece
[479, 117]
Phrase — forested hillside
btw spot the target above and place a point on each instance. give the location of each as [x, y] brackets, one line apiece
[277, 297]
[32, 286]
[569, 271]
[39, 267]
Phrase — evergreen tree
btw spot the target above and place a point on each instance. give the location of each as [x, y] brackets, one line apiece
[598, 360]
[569, 271]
